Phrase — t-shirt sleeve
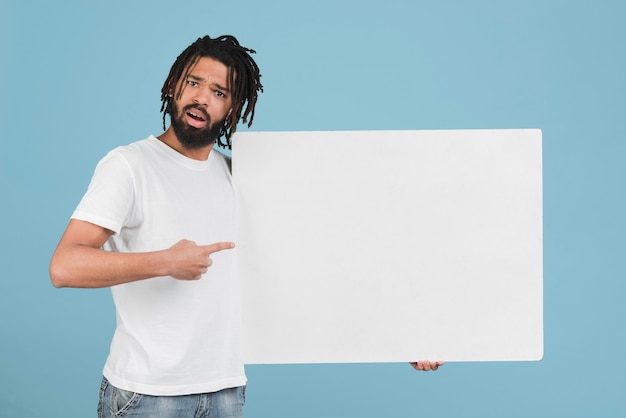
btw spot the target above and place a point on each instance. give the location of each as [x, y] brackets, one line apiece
[110, 196]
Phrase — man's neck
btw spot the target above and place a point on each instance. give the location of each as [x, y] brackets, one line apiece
[169, 138]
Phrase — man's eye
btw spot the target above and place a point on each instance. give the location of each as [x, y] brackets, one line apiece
[219, 93]
[192, 83]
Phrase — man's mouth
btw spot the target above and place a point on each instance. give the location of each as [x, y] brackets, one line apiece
[196, 117]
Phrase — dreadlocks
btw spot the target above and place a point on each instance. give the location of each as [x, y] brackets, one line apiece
[244, 79]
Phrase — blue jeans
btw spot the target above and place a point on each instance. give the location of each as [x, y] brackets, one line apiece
[114, 402]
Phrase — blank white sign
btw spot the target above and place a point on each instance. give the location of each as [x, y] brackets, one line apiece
[390, 246]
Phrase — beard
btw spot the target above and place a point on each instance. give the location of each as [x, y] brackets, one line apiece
[190, 137]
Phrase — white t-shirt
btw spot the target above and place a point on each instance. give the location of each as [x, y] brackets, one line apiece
[173, 337]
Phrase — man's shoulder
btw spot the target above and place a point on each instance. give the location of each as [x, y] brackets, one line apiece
[126, 155]
[139, 145]
[135, 148]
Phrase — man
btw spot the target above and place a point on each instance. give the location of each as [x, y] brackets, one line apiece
[162, 210]
[156, 225]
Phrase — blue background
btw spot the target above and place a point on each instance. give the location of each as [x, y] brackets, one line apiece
[79, 78]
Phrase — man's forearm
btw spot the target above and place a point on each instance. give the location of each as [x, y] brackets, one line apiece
[86, 267]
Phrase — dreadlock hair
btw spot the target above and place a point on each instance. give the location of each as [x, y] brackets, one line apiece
[244, 79]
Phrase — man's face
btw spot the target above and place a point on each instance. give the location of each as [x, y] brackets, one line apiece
[199, 114]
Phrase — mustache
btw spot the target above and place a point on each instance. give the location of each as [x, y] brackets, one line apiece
[198, 109]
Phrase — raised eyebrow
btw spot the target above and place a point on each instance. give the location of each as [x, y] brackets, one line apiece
[194, 78]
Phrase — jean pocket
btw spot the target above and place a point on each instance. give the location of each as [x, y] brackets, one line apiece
[122, 400]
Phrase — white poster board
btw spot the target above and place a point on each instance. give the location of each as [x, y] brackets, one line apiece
[390, 246]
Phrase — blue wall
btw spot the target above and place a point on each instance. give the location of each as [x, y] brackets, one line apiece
[79, 79]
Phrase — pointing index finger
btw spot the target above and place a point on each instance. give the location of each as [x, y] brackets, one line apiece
[219, 246]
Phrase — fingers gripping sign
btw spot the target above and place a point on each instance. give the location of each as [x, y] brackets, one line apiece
[189, 261]
[426, 365]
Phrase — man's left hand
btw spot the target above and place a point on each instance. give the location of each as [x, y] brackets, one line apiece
[426, 365]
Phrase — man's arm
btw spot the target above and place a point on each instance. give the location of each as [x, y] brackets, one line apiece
[79, 261]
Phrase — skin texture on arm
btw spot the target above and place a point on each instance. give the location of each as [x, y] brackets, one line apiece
[79, 261]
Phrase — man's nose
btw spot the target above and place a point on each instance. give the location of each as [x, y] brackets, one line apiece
[201, 96]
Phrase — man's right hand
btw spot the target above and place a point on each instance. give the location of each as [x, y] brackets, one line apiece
[189, 261]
